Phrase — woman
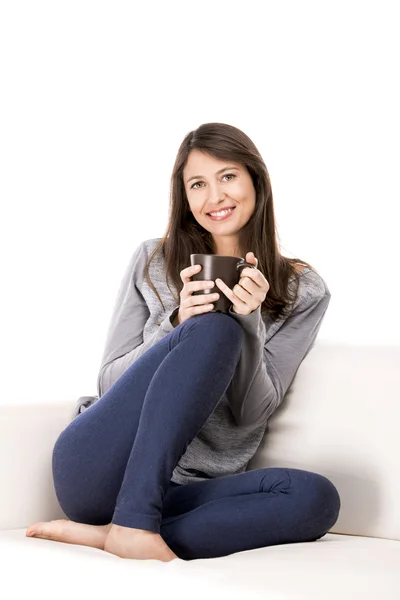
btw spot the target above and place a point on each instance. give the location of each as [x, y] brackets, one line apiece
[155, 468]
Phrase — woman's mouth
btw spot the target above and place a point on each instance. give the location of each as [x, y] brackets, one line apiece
[221, 215]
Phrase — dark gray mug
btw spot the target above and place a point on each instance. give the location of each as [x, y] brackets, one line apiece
[215, 266]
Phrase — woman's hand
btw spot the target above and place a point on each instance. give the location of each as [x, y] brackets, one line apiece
[193, 305]
[251, 290]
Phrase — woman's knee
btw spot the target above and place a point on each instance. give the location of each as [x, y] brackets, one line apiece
[329, 498]
[319, 495]
[223, 323]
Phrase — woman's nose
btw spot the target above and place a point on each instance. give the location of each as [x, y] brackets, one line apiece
[215, 194]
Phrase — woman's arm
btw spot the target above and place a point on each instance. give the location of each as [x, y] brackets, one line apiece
[124, 341]
[266, 369]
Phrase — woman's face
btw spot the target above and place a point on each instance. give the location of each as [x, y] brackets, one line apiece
[212, 184]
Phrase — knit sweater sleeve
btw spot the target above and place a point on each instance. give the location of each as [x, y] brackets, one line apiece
[124, 340]
[266, 369]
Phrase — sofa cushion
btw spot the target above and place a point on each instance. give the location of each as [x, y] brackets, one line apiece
[332, 567]
[340, 418]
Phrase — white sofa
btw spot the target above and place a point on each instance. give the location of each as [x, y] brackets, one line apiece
[340, 418]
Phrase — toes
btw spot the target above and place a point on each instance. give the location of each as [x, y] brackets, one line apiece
[46, 530]
[33, 529]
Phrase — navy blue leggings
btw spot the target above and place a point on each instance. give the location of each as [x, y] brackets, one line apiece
[114, 462]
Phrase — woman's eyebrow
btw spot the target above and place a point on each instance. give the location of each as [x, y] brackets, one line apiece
[217, 173]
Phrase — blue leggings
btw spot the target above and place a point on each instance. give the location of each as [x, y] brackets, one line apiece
[114, 462]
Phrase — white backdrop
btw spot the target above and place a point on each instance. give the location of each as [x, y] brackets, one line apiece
[96, 98]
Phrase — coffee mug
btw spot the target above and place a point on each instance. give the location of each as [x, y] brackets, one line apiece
[215, 266]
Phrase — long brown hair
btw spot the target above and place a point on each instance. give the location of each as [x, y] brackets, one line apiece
[184, 235]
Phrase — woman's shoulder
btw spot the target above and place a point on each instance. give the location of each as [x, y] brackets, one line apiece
[150, 245]
[145, 248]
[300, 267]
[311, 283]
[152, 242]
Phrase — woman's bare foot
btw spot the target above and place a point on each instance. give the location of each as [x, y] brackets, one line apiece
[137, 543]
[63, 530]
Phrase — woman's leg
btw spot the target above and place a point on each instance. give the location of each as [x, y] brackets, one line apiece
[114, 461]
[263, 507]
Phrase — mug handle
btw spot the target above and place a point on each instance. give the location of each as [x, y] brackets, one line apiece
[245, 264]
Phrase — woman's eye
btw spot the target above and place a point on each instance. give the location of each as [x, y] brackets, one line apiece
[226, 175]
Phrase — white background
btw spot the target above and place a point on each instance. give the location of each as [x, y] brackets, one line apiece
[95, 100]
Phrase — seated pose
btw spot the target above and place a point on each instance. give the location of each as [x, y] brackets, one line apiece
[154, 467]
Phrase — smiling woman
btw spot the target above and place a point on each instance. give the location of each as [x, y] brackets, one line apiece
[220, 191]
[190, 403]
[218, 167]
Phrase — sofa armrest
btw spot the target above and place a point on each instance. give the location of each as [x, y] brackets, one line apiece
[28, 433]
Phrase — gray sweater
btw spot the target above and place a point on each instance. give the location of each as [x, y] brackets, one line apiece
[271, 355]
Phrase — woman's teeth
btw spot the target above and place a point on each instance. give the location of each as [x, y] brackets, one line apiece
[221, 213]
